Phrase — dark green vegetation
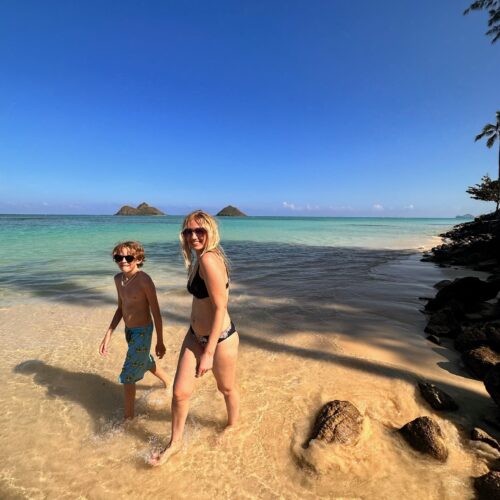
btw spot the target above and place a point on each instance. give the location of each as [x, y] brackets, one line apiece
[493, 8]
[486, 190]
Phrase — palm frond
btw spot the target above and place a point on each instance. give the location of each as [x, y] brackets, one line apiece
[491, 141]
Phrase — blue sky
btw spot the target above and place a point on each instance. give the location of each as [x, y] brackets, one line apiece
[278, 107]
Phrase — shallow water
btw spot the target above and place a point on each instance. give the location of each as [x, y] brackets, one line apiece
[317, 322]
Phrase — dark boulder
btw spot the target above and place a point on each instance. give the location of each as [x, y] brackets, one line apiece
[471, 338]
[433, 339]
[337, 422]
[478, 434]
[480, 361]
[425, 435]
[492, 332]
[488, 486]
[436, 397]
[443, 323]
[492, 383]
[468, 290]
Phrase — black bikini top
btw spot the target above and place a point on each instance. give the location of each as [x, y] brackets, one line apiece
[197, 286]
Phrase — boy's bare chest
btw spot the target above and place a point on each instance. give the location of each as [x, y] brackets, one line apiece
[132, 294]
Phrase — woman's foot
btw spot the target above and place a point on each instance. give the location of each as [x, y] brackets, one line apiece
[159, 458]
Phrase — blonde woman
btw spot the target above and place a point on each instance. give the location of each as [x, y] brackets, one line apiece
[211, 342]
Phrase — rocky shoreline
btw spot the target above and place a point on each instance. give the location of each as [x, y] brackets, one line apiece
[467, 312]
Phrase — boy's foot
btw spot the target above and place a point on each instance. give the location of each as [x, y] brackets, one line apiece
[159, 458]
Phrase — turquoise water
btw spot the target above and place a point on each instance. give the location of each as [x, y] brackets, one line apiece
[66, 257]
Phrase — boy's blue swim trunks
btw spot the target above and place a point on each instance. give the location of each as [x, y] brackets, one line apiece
[138, 360]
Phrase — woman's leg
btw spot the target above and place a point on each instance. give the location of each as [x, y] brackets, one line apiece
[224, 370]
[183, 388]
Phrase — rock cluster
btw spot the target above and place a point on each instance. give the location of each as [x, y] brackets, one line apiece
[467, 310]
[142, 209]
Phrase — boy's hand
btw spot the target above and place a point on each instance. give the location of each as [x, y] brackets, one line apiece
[160, 350]
[103, 348]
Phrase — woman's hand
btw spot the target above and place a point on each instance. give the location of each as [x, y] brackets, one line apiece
[206, 364]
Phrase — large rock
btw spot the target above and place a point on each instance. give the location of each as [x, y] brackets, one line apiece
[471, 338]
[480, 360]
[337, 422]
[425, 435]
[478, 434]
[142, 209]
[436, 397]
[488, 486]
[443, 323]
[492, 383]
[231, 211]
[468, 291]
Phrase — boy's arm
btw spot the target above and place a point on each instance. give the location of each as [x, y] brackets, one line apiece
[103, 348]
[150, 291]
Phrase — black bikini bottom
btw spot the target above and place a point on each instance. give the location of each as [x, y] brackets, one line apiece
[203, 339]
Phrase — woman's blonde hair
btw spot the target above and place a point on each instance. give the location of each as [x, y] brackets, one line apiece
[212, 244]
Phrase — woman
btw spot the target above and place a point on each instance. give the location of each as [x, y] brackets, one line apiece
[211, 342]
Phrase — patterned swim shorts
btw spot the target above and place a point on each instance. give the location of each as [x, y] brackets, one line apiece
[138, 360]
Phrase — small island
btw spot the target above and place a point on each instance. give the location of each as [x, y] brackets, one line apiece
[465, 216]
[142, 209]
[231, 211]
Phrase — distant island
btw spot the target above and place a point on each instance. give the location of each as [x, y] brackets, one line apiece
[465, 216]
[231, 211]
[142, 209]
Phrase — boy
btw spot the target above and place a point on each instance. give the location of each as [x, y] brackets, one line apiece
[137, 302]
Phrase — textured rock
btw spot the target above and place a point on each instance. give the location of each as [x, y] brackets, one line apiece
[436, 397]
[480, 360]
[231, 211]
[425, 435]
[470, 338]
[142, 209]
[478, 434]
[443, 324]
[338, 422]
[488, 486]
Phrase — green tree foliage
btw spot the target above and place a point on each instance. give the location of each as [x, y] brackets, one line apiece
[493, 8]
[492, 133]
[486, 190]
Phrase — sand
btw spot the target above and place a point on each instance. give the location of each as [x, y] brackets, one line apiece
[60, 432]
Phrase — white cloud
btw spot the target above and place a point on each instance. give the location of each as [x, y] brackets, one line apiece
[290, 206]
[410, 207]
[378, 207]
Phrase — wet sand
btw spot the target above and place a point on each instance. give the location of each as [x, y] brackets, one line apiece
[352, 334]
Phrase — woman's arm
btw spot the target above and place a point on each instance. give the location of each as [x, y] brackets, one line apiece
[215, 277]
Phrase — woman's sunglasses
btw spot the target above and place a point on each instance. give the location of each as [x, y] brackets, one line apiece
[199, 231]
[118, 258]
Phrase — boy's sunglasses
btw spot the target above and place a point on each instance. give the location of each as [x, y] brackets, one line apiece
[118, 258]
[199, 231]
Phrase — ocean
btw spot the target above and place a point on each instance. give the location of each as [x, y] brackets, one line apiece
[54, 256]
[325, 308]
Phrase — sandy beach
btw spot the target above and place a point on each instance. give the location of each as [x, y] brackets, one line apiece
[363, 341]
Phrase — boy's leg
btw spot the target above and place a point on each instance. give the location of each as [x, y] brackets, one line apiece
[158, 372]
[129, 391]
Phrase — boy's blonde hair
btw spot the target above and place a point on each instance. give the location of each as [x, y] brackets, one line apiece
[134, 248]
[212, 244]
